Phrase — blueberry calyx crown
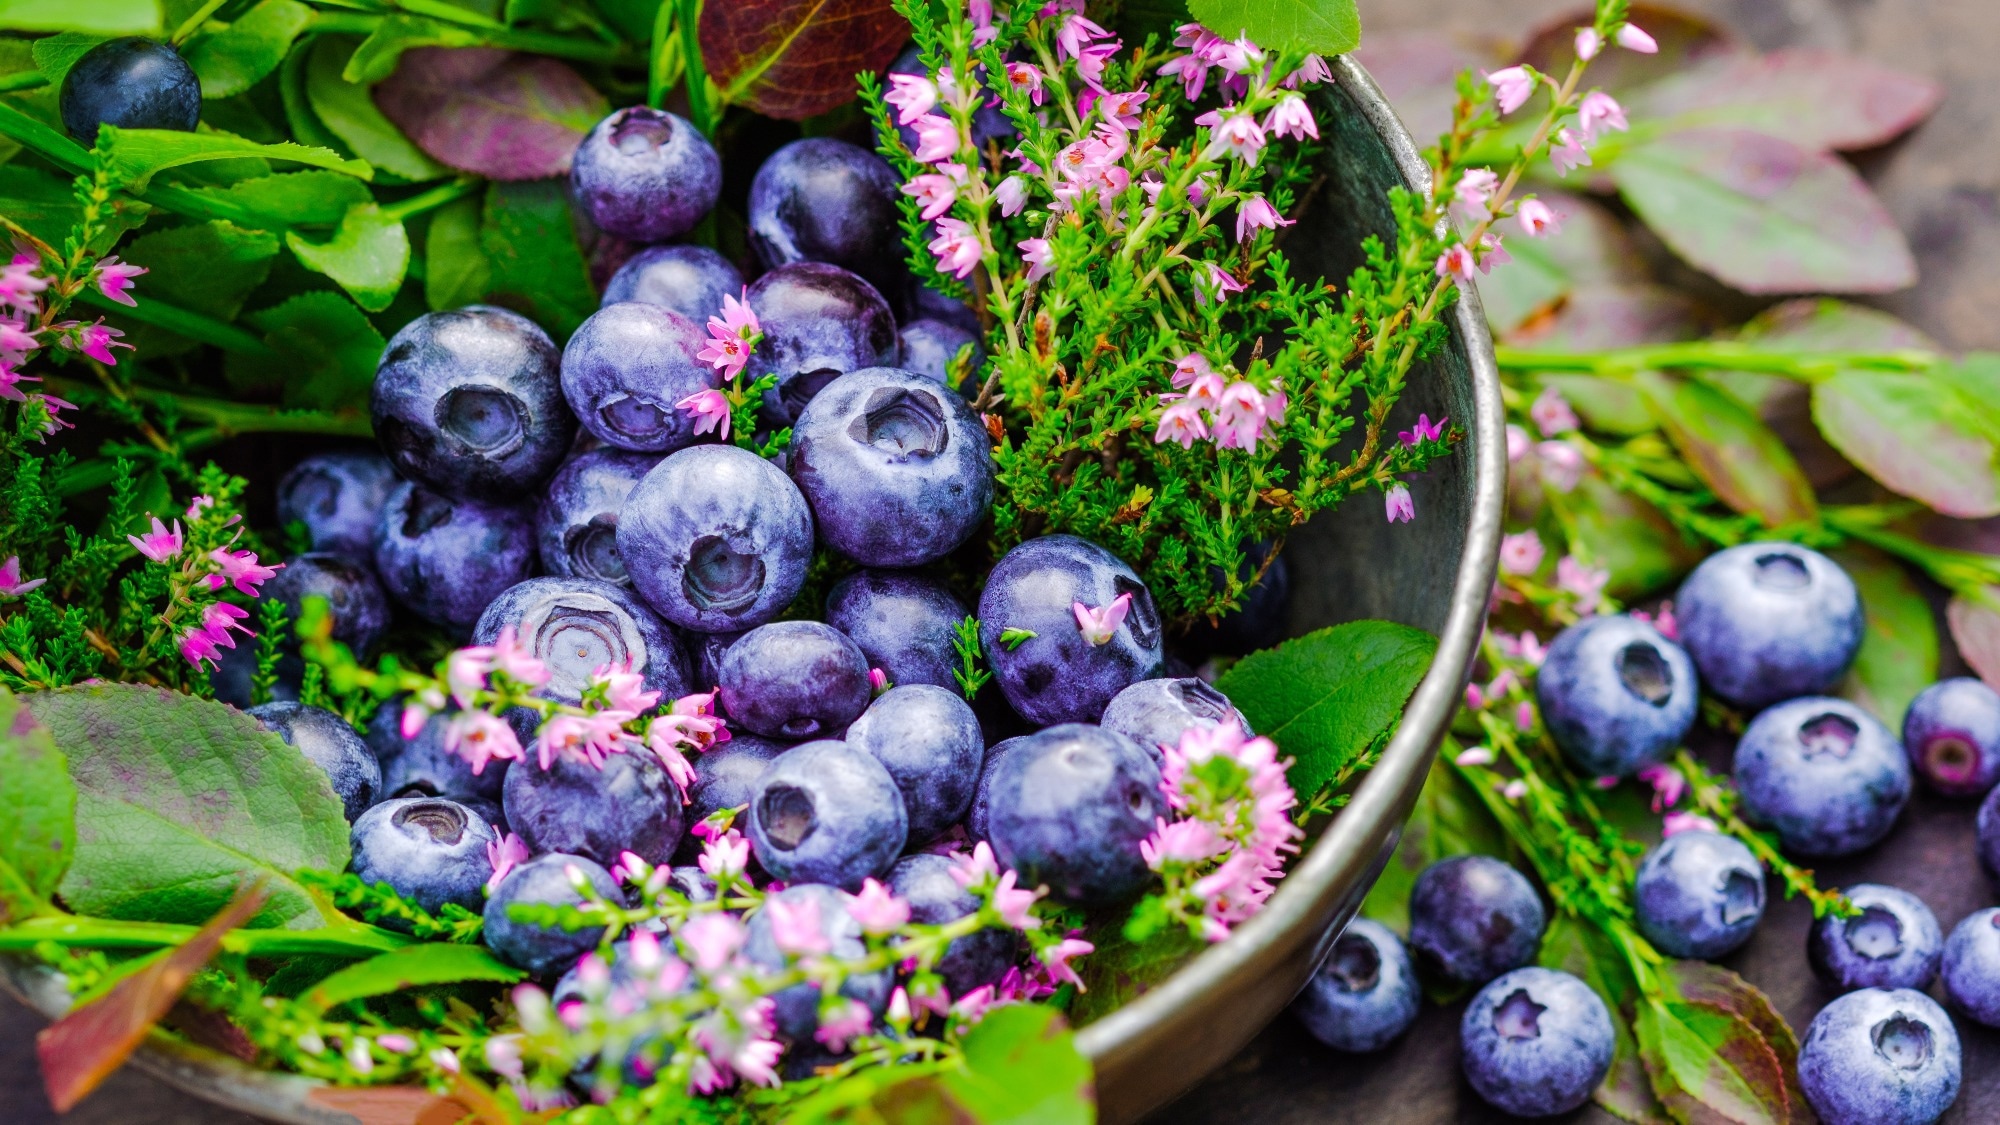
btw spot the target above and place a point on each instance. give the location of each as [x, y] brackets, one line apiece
[903, 424]
[1645, 673]
[787, 815]
[1742, 896]
[1828, 734]
[485, 420]
[1518, 1016]
[1355, 963]
[720, 577]
[1783, 571]
[1875, 933]
[443, 821]
[1904, 1041]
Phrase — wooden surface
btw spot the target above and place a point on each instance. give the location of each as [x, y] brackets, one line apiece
[1943, 186]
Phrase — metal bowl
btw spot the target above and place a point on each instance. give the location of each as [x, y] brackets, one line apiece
[1435, 574]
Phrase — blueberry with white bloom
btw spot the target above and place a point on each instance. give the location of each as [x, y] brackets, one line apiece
[1365, 994]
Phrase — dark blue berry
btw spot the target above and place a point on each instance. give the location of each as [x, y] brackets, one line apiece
[929, 740]
[422, 767]
[824, 812]
[798, 1006]
[1988, 836]
[930, 304]
[825, 200]
[576, 626]
[1769, 621]
[132, 83]
[924, 881]
[626, 368]
[691, 280]
[1365, 994]
[1156, 713]
[1068, 807]
[903, 624]
[355, 600]
[1058, 675]
[645, 174]
[338, 497]
[1536, 1042]
[544, 881]
[431, 850]
[794, 679]
[1616, 695]
[1952, 734]
[446, 559]
[1971, 966]
[1822, 773]
[329, 743]
[1894, 942]
[1699, 894]
[629, 805]
[977, 823]
[1473, 917]
[930, 347]
[819, 323]
[576, 524]
[1880, 1056]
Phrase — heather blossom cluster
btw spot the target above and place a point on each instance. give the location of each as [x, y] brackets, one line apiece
[732, 337]
[199, 575]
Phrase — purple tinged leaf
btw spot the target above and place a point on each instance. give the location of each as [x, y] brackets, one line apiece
[1975, 628]
[1709, 1063]
[1914, 436]
[502, 114]
[1816, 99]
[1899, 648]
[1733, 452]
[796, 58]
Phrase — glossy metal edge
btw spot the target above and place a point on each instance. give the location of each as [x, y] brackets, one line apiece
[1162, 1043]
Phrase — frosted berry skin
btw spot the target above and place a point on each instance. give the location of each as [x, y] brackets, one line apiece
[1473, 917]
[1952, 734]
[1971, 966]
[469, 402]
[1156, 713]
[626, 367]
[338, 497]
[1823, 774]
[977, 822]
[354, 597]
[896, 467]
[575, 626]
[1880, 1056]
[929, 347]
[645, 174]
[1699, 894]
[1365, 994]
[725, 775]
[329, 743]
[929, 740]
[825, 812]
[1766, 622]
[544, 881]
[924, 881]
[1068, 807]
[132, 83]
[825, 200]
[630, 805]
[431, 850]
[1616, 695]
[1057, 675]
[1894, 942]
[446, 560]
[422, 767]
[576, 523]
[794, 679]
[1988, 839]
[798, 1006]
[1536, 1042]
[902, 622]
[716, 539]
[690, 280]
[819, 322]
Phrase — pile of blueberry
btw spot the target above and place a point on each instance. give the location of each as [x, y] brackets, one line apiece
[1769, 628]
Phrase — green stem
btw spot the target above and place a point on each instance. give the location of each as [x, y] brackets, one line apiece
[1725, 355]
[193, 325]
[351, 939]
[688, 14]
[434, 198]
[224, 418]
[22, 80]
[193, 23]
[658, 76]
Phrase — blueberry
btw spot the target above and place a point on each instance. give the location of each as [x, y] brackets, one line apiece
[545, 881]
[422, 767]
[929, 741]
[794, 679]
[469, 402]
[825, 200]
[630, 805]
[132, 83]
[930, 304]
[1880, 1057]
[329, 743]
[1972, 966]
[1824, 774]
[575, 626]
[645, 174]
[693, 882]
[576, 524]
[624, 370]
[1952, 734]
[705, 654]
[431, 850]
[978, 823]
[1259, 620]
[1988, 839]
[354, 596]
[819, 322]
[1536, 1042]
[897, 469]
[1616, 695]
[338, 497]
[924, 881]
[725, 776]
[1766, 622]
[1365, 993]
[1156, 713]
[1473, 917]
[1068, 807]
[716, 538]
[824, 812]
[903, 623]
[1894, 942]
[1058, 675]
[691, 280]
[930, 346]
[798, 1006]
[1699, 894]
[445, 559]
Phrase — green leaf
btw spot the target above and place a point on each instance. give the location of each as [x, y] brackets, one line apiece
[1629, 537]
[180, 801]
[137, 155]
[409, 967]
[348, 110]
[1448, 820]
[55, 54]
[1120, 970]
[1325, 696]
[1899, 647]
[209, 268]
[367, 255]
[378, 54]
[323, 353]
[1914, 436]
[1325, 27]
[46, 205]
[1813, 325]
[38, 807]
[1586, 952]
[1731, 450]
[97, 17]
[1702, 1056]
[1022, 1068]
[1701, 982]
[238, 57]
[456, 272]
[293, 198]
[537, 268]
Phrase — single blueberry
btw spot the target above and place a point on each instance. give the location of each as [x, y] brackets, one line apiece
[1822, 773]
[469, 402]
[445, 559]
[576, 626]
[355, 600]
[1880, 1056]
[625, 370]
[431, 850]
[628, 805]
[825, 200]
[1894, 942]
[576, 524]
[716, 538]
[903, 623]
[645, 174]
[931, 346]
[924, 881]
[1473, 917]
[1616, 695]
[1699, 894]
[1769, 621]
[978, 823]
[329, 743]
[824, 812]
[545, 881]
[897, 469]
[1952, 734]
[1156, 713]
[1536, 1042]
[1365, 992]
[132, 83]
[1061, 674]
[338, 497]
[691, 280]
[422, 767]
[819, 323]
[1259, 621]
[1069, 806]
[930, 304]
[794, 679]
[928, 739]
[798, 1006]
[1971, 966]
[725, 777]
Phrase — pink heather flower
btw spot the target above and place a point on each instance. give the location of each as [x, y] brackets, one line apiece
[1425, 430]
[1056, 959]
[1190, 367]
[1521, 553]
[1012, 903]
[795, 926]
[113, 278]
[1476, 756]
[1121, 111]
[973, 1005]
[1569, 154]
[712, 939]
[240, 569]
[1076, 33]
[465, 672]
[1664, 621]
[1599, 111]
[1537, 218]
[689, 722]
[396, 1044]
[586, 738]
[981, 12]
[726, 855]
[206, 639]
[731, 337]
[1678, 822]
[1474, 189]
[197, 506]
[1401, 508]
[1585, 584]
[513, 658]
[158, 544]
[16, 339]
[1099, 625]
[19, 285]
[631, 868]
[937, 139]
[1240, 56]
[1514, 790]
[1039, 256]
[1214, 283]
[445, 1059]
[969, 871]
[94, 340]
[853, 1019]
[1588, 43]
[935, 191]
[51, 404]
[1183, 841]
[480, 737]
[503, 1055]
[1669, 785]
[11, 585]
[1239, 417]
[913, 95]
[624, 690]
[1206, 390]
[1090, 64]
[1011, 195]
[1524, 715]
[877, 909]
[1456, 262]
[418, 709]
[1238, 135]
[9, 377]
[1027, 78]
[1552, 413]
[1562, 464]
[878, 681]
[1181, 423]
[1632, 38]
[1475, 699]
[1527, 646]
[957, 248]
[1256, 213]
[711, 408]
[1512, 87]
[1518, 443]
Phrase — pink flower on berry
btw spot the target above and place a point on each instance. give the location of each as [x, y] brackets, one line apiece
[480, 737]
[728, 855]
[1099, 625]
[973, 870]
[114, 277]
[1679, 822]
[795, 925]
[158, 544]
[710, 409]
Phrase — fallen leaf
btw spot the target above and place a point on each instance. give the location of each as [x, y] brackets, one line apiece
[1975, 628]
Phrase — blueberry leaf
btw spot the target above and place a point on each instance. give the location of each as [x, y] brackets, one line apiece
[537, 267]
[1819, 99]
[290, 199]
[98, 17]
[1731, 450]
[209, 268]
[239, 56]
[367, 255]
[55, 54]
[1709, 1061]
[348, 110]
[378, 54]
[1120, 970]
[1324, 27]
[409, 967]
[456, 271]
[1974, 619]
[1914, 435]
[1899, 645]
[46, 206]
[503, 114]
[136, 155]
[38, 806]
[322, 353]
[1703, 983]
[796, 58]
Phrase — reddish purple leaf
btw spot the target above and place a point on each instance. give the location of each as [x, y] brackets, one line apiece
[1418, 72]
[796, 58]
[1730, 450]
[1703, 983]
[1975, 628]
[1912, 435]
[1684, 40]
[502, 114]
[1817, 99]
[1608, 316]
